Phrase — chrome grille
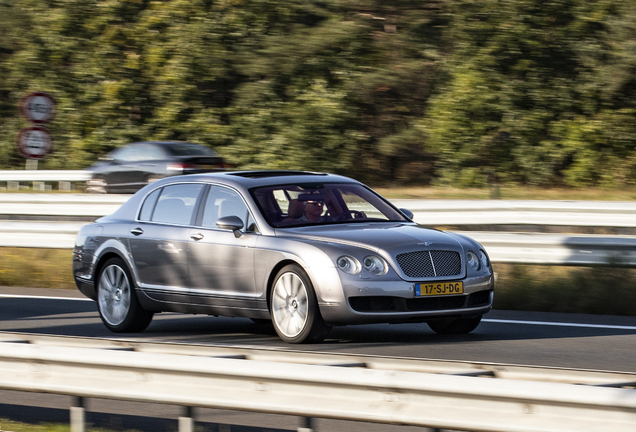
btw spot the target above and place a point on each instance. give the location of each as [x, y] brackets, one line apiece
[433, 263]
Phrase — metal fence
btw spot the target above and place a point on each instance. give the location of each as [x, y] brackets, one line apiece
[42, 180]
[473, 401]
[52, 221]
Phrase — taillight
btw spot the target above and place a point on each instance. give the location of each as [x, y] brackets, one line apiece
[180, 166]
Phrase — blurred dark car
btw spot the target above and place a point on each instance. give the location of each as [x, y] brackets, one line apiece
[131, 167]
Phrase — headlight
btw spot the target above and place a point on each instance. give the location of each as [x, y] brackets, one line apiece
[375, 265]
[473, 260]
[348, 264]
[483, 258]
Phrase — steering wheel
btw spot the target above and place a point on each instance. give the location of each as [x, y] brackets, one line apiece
[355, 213]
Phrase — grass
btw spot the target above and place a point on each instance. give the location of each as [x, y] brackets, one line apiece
[594, 290]
[591, 290]
[37, 268]
[12, 426]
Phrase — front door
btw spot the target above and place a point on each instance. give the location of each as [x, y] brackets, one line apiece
[220, 262]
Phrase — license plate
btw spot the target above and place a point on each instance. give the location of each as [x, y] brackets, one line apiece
[207, 166]
[441, 288]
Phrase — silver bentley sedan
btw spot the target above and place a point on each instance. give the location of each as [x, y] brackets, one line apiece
[306, 251]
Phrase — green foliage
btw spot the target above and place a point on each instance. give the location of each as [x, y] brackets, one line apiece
[565, 289]
[523, 91]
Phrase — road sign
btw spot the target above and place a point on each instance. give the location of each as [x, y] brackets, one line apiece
[34, 142]
[38, 107]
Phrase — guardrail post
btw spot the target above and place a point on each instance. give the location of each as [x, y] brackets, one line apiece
[78, 415]
[306, 424]
[64, 186]
[186, 423]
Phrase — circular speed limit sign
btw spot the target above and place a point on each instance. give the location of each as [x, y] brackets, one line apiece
[34, 142]
[38, 107]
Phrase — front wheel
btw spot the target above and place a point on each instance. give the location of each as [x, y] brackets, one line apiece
[455, 325]
[117, 300]
[294, 307]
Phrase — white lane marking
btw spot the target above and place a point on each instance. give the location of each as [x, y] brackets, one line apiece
[496, 321]
[558, 324]
[43, 297]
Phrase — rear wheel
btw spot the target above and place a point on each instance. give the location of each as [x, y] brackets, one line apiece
[117, 300]
[294, 307]
[455, 325]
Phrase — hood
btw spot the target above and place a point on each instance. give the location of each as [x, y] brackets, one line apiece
[391, 237]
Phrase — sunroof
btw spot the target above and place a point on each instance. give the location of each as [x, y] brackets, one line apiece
[263, 174]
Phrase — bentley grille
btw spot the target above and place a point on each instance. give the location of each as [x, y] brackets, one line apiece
[432, 263]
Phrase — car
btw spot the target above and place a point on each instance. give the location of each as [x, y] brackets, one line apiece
[305, 251]
[131, 167]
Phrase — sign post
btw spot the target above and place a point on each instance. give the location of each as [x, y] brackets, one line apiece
[35, 142]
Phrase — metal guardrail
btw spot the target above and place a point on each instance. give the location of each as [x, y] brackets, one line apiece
[26, 206]
[522, 248]
[42, 179]
[49, 225]
[443, 395]
[610, 214]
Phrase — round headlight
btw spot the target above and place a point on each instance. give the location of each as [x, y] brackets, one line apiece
[473, 260]
[483, 258]
[374, 265]
[348, 264]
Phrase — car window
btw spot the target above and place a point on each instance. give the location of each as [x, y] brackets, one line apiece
[148, 206]
[179, 149]
[223, 202]
[129, 153]
[152, 152]
[176, 204]
[316, 204]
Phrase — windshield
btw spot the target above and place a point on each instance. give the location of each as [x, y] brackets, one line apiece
[317, 204]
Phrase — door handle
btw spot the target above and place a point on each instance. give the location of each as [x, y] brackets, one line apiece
[136, 231]
[197, 236]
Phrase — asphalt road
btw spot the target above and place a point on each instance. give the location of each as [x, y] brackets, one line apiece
[523, 338]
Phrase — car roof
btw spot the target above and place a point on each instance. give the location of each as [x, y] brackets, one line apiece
[239, 179]
[250, 179]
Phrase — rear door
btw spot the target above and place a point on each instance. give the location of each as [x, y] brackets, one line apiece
[160, 238]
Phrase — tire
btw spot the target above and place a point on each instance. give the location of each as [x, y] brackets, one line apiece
[294, 308]
[455, 325]
[117, 302]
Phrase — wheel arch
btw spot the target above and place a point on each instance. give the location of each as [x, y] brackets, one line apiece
[272, 276]
[103, 259]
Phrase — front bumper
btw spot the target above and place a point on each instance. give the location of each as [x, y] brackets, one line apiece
[369, 301]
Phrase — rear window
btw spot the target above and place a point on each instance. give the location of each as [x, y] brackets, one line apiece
[173, 204]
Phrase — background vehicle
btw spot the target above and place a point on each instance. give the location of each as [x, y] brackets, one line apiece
[238, 244]
[131, 167]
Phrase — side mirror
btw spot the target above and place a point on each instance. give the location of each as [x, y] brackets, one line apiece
[408, 213]
[233, 223]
